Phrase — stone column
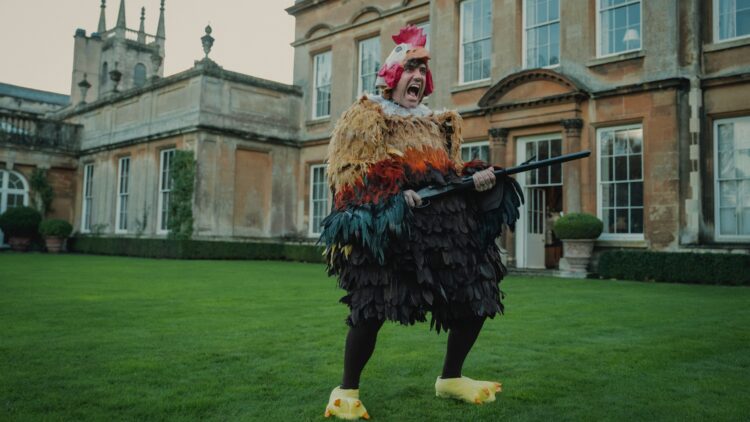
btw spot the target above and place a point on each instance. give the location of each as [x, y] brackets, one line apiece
[498, 146]
[572, 169]
[498, 151]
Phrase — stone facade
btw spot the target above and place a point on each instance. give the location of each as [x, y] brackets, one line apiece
[241, 129]
[668, 88]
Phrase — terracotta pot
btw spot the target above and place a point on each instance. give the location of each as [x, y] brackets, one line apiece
[54, 244]
[19, 244]
[578, 253]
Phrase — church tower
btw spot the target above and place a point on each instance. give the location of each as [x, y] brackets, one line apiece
[116, 59]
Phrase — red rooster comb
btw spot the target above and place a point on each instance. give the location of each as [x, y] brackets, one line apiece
[411, 35]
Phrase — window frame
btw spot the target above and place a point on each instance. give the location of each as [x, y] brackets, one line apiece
[717, 26]
[162, 190]
[123, 198]
[461, 78]
[599, 30]
[136, 82]
[599, 193]
[536, 139]
[422, 25]
[87, 198]
[5, 190]
[312, 200]
[315, 85]
[476, 144]
[359, 64]
[717, 193]
[524, 37]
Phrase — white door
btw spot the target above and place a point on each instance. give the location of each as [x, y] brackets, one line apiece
[535, 230]
[530, 236]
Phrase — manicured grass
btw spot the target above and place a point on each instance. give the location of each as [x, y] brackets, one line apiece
[98, 338]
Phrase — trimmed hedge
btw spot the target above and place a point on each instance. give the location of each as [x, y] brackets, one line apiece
[578, 225]
[55, 228]
[195, 249]
[676, 267]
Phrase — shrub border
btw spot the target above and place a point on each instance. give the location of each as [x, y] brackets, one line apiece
[676, 267]
[195, 249]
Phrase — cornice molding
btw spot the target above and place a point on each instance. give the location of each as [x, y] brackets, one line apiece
[349, 25]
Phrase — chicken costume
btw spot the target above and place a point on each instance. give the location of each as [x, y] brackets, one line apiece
[399, 263]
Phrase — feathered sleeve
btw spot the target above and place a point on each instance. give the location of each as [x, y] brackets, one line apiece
[365, 179]
[498, 206]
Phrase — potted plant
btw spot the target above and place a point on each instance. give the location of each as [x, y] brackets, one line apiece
[20, 224]
[578, 232]
[55, 232]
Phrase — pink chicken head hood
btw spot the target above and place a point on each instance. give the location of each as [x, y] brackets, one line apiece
[410, 44]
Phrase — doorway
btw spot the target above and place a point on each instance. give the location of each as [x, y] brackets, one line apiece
[536, 244]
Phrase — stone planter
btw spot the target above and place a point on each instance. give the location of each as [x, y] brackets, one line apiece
[54, 244]
[19, 244]
[577, 253]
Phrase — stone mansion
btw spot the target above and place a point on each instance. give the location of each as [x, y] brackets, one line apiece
[656, 90]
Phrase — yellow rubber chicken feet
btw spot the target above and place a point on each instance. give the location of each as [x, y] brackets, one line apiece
[467, 389]
[345, 404]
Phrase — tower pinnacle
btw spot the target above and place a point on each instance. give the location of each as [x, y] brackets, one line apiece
[160, 32]
[121, 15]
[102, 23]
[142, 29]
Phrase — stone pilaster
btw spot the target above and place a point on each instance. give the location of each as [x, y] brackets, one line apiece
[498, 152]
[498, 146]
[572, 169]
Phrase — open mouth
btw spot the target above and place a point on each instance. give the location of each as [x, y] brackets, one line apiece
[413, 90]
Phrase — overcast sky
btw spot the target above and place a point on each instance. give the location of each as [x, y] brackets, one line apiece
[252, 36]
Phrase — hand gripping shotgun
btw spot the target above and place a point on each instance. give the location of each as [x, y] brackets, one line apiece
[467, 182]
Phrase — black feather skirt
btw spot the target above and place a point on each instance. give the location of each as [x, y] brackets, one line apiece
[440, 264]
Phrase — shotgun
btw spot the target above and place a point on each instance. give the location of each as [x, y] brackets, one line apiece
[468, 183]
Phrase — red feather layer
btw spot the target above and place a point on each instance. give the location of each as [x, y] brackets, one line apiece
[386, 177]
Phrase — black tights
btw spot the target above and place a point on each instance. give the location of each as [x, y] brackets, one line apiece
[360, 343]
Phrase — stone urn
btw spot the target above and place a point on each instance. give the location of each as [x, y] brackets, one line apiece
[55, 232]
[19, 244]
[578, 232]
[54, 244]
[577, 253]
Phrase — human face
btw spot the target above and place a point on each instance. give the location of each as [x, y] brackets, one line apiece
[410, 88]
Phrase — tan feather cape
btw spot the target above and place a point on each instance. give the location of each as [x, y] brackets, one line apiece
[365, 135]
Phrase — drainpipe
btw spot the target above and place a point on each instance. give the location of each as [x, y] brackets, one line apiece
[693, 204]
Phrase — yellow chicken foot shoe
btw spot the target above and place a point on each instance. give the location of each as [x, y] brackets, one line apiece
[345, 404]
[467, 389]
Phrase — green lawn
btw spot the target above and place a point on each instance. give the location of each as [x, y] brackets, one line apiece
[96, 338]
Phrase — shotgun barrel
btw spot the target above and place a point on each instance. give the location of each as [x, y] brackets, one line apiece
[468, 183]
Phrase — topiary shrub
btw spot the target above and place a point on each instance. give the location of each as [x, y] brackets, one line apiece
[55, 228]
[20, 222]
[578, 225]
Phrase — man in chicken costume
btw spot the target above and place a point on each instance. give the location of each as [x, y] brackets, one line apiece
[397, 257]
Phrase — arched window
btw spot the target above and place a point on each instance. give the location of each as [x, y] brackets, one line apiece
[14, 192]
[104, 77]
[139, 75]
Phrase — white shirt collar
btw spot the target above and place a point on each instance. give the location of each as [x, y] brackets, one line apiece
[393, 109]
